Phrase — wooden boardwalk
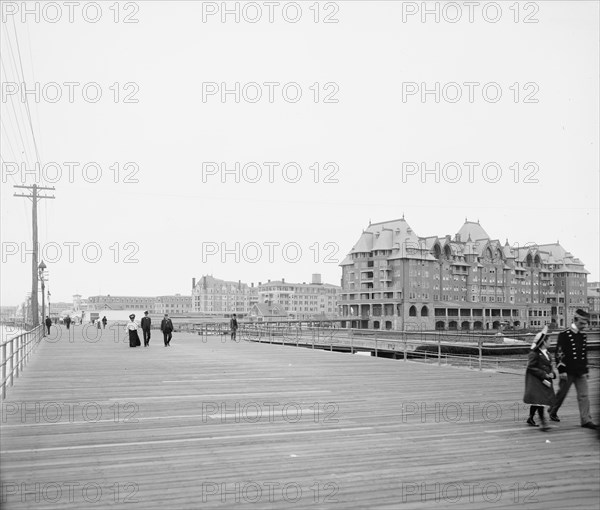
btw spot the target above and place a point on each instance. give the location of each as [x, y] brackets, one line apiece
[212, 424]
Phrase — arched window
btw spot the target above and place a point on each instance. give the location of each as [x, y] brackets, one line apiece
[447, 252]
[412, 311]
[437, 251]
[424, 311]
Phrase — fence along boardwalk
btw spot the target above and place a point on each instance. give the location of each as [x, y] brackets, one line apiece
[143, 428]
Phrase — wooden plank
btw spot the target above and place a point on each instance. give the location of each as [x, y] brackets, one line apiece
[212, 423]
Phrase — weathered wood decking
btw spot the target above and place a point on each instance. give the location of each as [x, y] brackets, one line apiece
[223, 424]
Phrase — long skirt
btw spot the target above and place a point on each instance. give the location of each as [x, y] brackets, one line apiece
[134, 339]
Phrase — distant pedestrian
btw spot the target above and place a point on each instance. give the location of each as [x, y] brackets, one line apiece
[166, 326]
[131, 327]
[572, 364]
[146, 325]
[104, 321]
[68, 322]
[98, 322]
[233, 326]
[539, 391]
[48, 323]
[55, 320]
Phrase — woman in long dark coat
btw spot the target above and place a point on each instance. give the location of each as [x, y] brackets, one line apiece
[539, 391]
[132, 327]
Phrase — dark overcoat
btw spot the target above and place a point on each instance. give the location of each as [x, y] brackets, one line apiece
[536, 392]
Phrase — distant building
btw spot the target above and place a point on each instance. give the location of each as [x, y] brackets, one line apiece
[593, 301]
[221, 298]
[260, 312]
[173, 305]
[394, 279]
[302, 300]
[59, 306]
[8, 312]
[109, 302]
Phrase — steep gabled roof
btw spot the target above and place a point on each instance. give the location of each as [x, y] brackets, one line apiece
[474, 230]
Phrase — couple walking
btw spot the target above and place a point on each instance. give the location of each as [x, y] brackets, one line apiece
[166, 326]
[572, 364]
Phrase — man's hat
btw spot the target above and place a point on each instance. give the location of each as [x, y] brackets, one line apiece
[146, 312]
[132, 316]
[582, 314]
[539, 338]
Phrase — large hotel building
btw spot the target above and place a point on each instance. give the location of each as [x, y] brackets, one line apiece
[214, 297]
[394, 279]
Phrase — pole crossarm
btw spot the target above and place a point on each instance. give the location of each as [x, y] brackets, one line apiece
[34, 186]
[31, 196]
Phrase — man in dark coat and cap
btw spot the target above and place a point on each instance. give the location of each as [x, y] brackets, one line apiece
[572, 363]
[146, 325]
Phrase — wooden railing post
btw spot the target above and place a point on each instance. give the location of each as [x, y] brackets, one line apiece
[3, 372]
[12, 361]
[18, 354]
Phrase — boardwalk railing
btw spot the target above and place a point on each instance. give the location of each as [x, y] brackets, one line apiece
[16, 352]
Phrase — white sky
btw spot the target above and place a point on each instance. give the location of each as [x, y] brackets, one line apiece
[368, 133]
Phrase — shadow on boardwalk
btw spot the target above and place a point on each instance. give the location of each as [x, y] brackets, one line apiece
[93, 423]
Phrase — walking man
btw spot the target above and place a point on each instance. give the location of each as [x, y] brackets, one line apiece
[233, 326]
[48, 323]
[572, 363]
[68, 321]
[166, 326]
[146, 323]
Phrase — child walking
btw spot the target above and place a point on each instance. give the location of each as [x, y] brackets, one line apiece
[539, 391]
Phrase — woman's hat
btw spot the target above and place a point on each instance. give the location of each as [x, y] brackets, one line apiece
[539, 338]
[132, 316]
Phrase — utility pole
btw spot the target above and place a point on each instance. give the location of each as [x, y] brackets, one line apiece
[34, 197]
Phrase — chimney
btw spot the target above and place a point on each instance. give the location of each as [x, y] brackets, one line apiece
[316, 278]
[259, 283]
[193, 283]
[268, 281]
[283, 280]
[252, 284]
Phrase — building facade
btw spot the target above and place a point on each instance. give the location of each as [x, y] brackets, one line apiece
[593, 299]
[394, 279]
[302, 300]
[173, 305]
[120, 303]
[260, 312]
[211, 296]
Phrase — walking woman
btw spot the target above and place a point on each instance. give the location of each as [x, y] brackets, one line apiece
[132, 327]
[539, 391]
